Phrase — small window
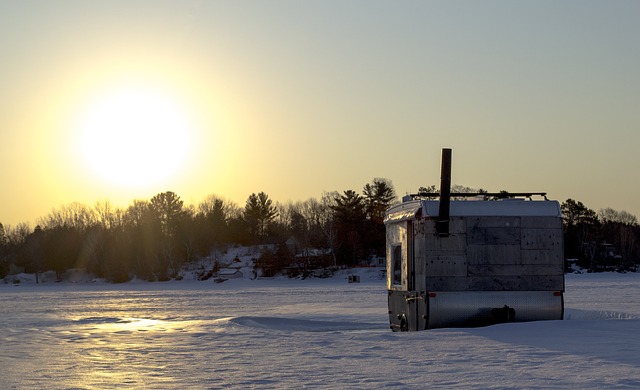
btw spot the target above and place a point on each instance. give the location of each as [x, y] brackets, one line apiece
[396, 262]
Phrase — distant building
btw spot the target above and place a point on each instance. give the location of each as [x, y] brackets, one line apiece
[230, 273]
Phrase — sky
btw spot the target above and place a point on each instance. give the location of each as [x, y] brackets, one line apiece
[121, 100]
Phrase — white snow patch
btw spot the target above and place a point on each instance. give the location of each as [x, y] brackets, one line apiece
[292, 333]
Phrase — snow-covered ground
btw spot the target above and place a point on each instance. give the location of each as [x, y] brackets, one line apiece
[323, 333]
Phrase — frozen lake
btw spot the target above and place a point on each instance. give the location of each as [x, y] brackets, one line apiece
[292, 334]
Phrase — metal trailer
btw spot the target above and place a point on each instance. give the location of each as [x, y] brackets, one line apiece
[473, 262]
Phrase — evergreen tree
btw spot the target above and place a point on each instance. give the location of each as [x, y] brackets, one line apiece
[213, 216]
[379, 195]
[350, 215]
[168, 207]
[35, 252]
[176, 245]
[259, 211]
[581, 227]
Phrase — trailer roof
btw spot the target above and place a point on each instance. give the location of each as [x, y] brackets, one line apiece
[471, 208]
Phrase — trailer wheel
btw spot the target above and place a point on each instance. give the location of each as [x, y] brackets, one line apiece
[503, 314]
[404, 325]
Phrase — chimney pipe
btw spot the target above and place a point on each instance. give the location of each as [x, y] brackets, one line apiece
[442, 223]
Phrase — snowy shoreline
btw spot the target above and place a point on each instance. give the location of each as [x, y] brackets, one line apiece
[366, 276]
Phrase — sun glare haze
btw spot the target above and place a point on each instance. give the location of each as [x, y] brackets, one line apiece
[123, 100]
[134, 136]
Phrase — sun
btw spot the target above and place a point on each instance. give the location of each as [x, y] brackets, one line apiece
[134, 136]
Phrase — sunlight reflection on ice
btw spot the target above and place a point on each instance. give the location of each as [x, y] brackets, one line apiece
[116, 324]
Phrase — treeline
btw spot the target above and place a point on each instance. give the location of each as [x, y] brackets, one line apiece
[152, 239]
[607, 240]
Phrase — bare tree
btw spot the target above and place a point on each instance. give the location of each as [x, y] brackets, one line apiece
[614, 216]
[107, 215]
[17, 235]
[136, 213]
[218, 206]
[620, 228]
[326, 220]
[74, 215]
[3, 237]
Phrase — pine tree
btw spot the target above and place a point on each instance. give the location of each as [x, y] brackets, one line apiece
[378, 196]
[258, 213]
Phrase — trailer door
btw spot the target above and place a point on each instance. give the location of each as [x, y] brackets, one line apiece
[415, 303]
[397, 256]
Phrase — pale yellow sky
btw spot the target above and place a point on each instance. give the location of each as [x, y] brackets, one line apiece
[296, 98]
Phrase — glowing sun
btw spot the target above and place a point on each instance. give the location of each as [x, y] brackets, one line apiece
[134, 136]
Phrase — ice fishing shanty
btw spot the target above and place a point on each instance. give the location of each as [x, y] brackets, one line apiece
[479, 259]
